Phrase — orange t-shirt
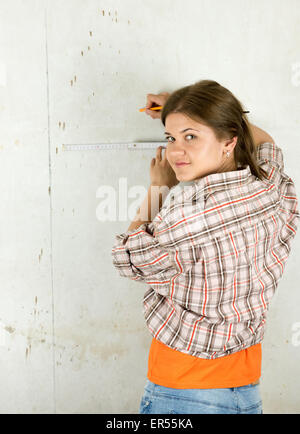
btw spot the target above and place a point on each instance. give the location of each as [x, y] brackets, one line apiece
[171, 368]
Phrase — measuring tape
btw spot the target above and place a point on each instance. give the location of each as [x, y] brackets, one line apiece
[111, 146]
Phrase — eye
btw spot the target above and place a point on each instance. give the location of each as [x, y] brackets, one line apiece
[188, 135]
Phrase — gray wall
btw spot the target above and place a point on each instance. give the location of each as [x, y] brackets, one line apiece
[72, 335]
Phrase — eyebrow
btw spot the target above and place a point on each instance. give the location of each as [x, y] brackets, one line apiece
[183, 131]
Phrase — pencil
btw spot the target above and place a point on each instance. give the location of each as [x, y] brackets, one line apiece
[152, 108]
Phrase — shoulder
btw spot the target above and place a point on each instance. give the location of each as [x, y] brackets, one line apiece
[270, 153]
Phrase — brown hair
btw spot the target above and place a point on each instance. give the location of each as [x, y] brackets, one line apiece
[215, 106]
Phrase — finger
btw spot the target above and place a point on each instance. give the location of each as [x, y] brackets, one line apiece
[162, 152]
[156, 114]
[150, 100]
[158, 152]
[153, 114]
[154, 100]
[149, 112]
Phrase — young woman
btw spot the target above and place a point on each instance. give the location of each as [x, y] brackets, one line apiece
[212, 256]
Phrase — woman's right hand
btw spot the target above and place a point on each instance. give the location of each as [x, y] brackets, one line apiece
[155, 101]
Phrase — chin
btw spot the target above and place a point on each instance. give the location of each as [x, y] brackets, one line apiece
[184, 177]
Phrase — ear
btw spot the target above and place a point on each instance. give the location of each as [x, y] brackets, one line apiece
[230, 144]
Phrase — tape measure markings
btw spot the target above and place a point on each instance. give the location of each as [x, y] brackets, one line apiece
[112, 146]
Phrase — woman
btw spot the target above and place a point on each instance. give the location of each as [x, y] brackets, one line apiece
[212, 256]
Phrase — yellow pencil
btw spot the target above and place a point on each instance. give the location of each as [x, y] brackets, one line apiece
[152, 108]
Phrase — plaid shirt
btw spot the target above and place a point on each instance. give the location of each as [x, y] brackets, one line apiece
[213, 256]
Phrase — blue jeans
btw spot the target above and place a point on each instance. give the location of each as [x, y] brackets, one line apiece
[165, 400]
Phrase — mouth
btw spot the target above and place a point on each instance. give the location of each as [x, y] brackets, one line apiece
[181, 164]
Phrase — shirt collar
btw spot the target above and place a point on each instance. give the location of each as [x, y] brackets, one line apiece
[207, 185]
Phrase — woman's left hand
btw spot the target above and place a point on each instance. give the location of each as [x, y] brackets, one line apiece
[161, 173]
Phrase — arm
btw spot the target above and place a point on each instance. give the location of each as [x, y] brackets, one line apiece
[150, 206]
[137, 253]
[260, 136]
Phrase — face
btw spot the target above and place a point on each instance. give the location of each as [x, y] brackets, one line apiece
[196, 144]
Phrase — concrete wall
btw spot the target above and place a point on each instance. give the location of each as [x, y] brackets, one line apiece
[72, 333]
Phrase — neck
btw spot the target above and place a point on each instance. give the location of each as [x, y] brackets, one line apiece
[228, 166]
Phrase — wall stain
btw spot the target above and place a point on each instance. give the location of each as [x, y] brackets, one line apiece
[10, 329]
[28, 351]
[62, 125]
[73, 81]
[40, 255]
[83, 344]
[34, 335]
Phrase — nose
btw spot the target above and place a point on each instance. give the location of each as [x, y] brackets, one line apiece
[176, 150]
